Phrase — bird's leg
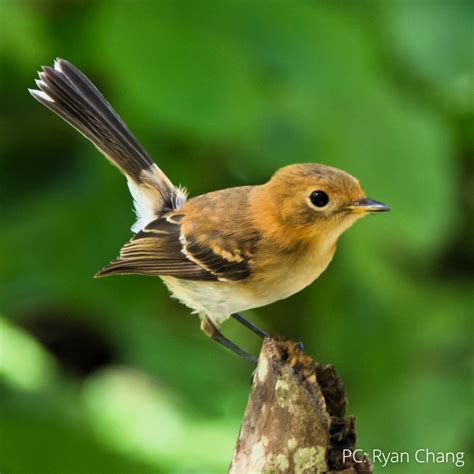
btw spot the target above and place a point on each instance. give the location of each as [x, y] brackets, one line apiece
[260, 332]
[208, 327]
[249, 325]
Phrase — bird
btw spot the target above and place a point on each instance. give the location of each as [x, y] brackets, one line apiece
[226, 251]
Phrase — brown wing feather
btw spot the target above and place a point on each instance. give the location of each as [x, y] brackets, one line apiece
[156, 250]
[209, 238]
[223, 240]
[220, 257]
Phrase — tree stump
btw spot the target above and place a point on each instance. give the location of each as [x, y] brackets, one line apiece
[294, 421]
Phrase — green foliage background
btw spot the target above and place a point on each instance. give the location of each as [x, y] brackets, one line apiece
[222, 94]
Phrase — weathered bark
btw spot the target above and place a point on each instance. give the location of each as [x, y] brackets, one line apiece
[294, 421]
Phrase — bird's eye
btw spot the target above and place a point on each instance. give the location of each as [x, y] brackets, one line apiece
[319, 198]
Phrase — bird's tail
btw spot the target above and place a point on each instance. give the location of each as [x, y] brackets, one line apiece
[70, 94]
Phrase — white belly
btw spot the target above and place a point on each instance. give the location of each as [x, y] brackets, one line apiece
[218, 299]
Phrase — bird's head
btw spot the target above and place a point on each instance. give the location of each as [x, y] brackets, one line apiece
[317, 201]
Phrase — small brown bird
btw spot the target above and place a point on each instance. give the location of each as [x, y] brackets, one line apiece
[222, 252]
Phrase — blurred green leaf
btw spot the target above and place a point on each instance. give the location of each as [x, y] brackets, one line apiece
[147, 423]
[436, 43]
[24, 363]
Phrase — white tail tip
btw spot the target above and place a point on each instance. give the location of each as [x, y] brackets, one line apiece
[40, 95]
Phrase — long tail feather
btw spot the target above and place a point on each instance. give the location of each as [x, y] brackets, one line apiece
[70, 94]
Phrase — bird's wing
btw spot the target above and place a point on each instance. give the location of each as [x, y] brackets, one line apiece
[175, 246]
[219, 254]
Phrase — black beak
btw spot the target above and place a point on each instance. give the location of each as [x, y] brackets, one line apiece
[368, 205]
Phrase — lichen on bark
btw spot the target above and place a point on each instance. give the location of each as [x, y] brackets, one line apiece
[294, 421]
